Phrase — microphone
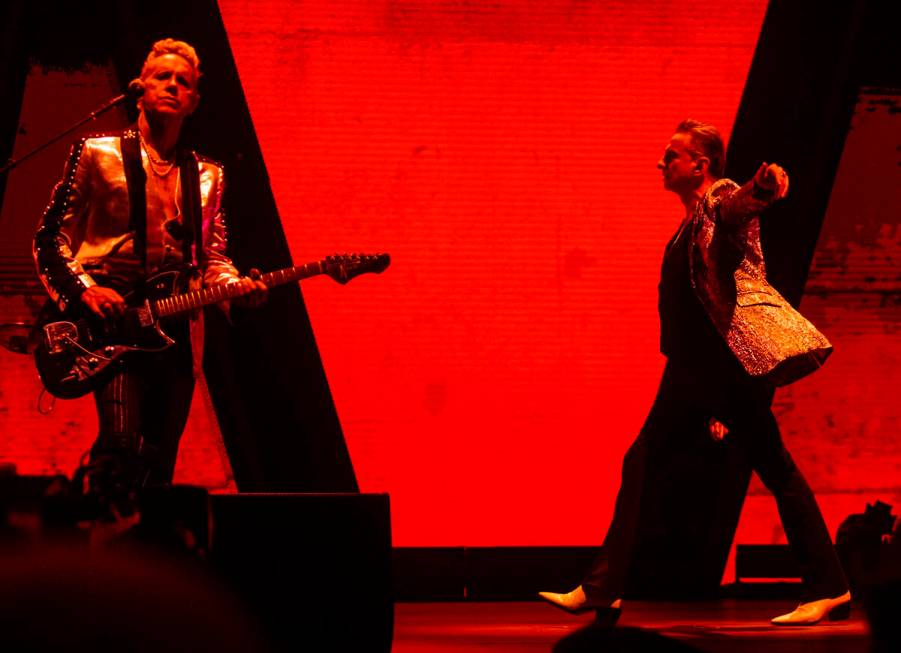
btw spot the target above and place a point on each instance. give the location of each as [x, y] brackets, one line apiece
[134, 91]
[135, 88]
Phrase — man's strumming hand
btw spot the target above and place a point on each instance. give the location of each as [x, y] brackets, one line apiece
[104, 302]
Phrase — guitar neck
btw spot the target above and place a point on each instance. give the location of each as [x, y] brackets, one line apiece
[194, 299]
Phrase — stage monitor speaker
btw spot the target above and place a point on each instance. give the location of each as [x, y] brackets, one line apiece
[315, 569]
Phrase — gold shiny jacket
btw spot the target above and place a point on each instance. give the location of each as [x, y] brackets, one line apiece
[767, 335]
[84, 237]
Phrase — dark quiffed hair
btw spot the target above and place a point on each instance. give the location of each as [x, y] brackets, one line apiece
[706, 141]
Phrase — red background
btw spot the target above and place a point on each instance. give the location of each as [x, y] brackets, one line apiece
[504, 155]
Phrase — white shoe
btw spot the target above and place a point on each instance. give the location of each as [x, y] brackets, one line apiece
[808, 614]
[574, 602]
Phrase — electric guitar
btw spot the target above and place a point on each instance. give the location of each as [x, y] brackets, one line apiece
[77, 350]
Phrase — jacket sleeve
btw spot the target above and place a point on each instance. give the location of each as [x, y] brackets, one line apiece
[734, 205]
[62, 229]
[217, 266]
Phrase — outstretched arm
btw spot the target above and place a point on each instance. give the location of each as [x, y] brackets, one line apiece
[769, 184]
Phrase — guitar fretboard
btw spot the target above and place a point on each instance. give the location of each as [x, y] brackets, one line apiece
[220, 292]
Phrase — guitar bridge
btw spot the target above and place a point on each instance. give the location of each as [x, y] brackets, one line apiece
[144, 315]
[58, 335]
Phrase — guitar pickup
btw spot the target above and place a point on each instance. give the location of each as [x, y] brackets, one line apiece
[59, 335]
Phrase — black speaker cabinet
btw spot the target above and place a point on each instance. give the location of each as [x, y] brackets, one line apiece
[315, 569]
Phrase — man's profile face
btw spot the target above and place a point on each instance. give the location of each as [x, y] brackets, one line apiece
[170, 87]
[678, 164]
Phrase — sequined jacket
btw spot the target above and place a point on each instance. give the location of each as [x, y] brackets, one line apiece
[767, 335]
[84, 237]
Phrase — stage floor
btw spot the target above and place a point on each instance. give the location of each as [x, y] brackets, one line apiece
[728, 626]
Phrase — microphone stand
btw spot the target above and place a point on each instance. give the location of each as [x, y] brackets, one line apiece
[119, 99]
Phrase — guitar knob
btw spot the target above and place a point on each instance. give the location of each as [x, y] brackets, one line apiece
[93, 362]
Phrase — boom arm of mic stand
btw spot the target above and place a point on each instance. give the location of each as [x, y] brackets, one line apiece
[12, 163]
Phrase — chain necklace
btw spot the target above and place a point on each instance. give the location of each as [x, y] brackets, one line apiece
[154, 162]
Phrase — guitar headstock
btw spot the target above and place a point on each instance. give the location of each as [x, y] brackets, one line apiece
[344, 267]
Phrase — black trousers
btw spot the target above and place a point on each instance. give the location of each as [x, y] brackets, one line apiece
[690, 394]
[142, 410]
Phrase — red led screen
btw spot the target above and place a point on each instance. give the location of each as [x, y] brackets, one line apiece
[504, 154]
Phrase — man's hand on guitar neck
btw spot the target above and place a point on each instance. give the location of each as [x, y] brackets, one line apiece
[257, 291]
[103, 302]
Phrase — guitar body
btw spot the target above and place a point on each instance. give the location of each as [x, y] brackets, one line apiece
[78, 351]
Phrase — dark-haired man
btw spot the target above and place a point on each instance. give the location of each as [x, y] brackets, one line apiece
[130, 204]
[729, 338]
